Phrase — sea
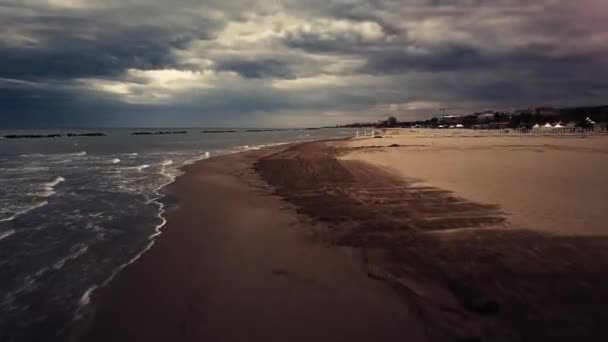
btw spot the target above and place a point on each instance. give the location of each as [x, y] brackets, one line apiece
[75, 211]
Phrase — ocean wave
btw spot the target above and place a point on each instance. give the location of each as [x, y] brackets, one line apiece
[249, 148]
[203, 156]
[78, 252]
[24, 211]
[246, 148]
[167, 163]
[85, 299]
[32, 155]
[25, 169]
[170, 153]
[54, 182]
[29, 281]
[62, 161]
[6, 234]
[138, 168]
[115, 161]
[38, 155]
[48, 189]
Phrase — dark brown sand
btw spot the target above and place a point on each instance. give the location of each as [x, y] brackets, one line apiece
[470, 277]
[353, 253]
[235, 263]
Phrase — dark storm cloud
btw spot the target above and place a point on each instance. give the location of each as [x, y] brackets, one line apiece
[257, 69]
[82, 45]
[124, 62]
[449, 57]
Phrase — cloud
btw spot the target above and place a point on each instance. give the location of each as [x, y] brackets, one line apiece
[249, 61]
[265, 68]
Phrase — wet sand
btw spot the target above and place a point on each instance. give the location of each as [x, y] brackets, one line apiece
[316, 242]
[236, 263]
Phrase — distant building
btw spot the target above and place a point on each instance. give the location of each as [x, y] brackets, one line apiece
[450, 120]
[523, 112]
[486, 117]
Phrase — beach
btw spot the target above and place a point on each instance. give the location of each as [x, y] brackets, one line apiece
[236, 263]
[432, 239]
[547, 183]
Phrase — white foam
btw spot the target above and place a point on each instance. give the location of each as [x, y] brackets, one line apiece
[85, 299]
[37, 155]
[21, 212]
[6, 234]
[246, 148]
[32, 155]
[203, 156]
[48, 189]
[63, 161]
[25, 169]
[250, 148]
[115, 161]
[138, 168]
[55, 181]
[59, 264]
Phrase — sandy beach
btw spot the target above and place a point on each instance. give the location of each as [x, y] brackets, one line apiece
[547, 183]
[236, 263]
[435, 239]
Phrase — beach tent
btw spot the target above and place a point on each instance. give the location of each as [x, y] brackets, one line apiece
[536, 126]
[558, 126]
[459, 126]
[547, 125]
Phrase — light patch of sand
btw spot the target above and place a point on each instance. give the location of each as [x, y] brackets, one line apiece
[548, 183]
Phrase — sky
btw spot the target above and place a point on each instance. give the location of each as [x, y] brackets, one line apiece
[293, 63]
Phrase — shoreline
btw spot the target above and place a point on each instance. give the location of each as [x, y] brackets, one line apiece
[214, 274]
[87, 303]
[85, 299]
[208, 268]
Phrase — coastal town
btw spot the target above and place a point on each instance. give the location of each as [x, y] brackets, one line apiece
[532, 119]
